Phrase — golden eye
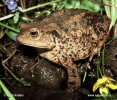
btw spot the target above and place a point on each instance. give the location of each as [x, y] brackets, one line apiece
[34, 34]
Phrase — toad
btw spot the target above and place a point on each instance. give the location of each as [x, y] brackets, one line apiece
[67, 36]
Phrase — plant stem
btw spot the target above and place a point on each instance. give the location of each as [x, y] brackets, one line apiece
[6, 26]
[98, 68]
[102, 61]
[29, 9]
[6, 17]
[38, 6]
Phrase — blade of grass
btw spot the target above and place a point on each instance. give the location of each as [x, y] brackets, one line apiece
[107, 8]
[99, 72]
[84, 76]
[7, 92]
[102, 58]
[111, 10]
[113, 19]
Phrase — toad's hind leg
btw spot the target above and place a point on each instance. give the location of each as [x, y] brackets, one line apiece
[74, 80]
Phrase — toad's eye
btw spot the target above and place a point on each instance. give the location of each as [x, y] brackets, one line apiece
[34, 34]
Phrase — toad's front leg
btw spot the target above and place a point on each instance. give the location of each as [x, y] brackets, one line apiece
[74, 80]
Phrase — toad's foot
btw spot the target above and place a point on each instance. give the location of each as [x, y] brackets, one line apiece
[73, 77]
[98, 49]
[74, 80]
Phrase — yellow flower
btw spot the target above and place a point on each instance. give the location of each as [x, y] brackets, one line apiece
[104, 84]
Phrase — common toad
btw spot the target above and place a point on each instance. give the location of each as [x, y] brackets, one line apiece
[66, 36]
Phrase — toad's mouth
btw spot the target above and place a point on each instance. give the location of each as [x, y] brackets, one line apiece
[39, 46]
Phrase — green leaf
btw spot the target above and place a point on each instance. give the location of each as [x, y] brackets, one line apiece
[111, 10]
[88, 5]
[114, 96]
[85, 91]
[99, 98]
[113, 19]
[37, 14]
[72, 4]
[16, 17]
[47, 12]
[107, 8]
[25, 19]
[12, 35]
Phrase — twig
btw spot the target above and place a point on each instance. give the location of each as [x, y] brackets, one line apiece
[3, 63]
